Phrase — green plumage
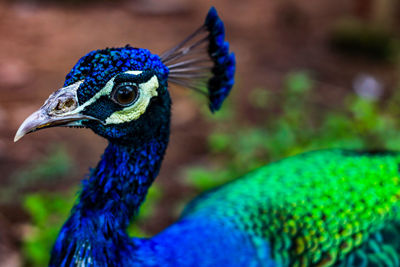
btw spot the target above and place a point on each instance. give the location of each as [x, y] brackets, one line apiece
[323, 208]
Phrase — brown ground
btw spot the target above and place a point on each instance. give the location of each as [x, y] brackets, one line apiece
[40, 42]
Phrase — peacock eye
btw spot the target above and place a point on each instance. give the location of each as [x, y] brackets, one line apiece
[125, 93]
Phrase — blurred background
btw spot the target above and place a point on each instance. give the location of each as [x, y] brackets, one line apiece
[310, 75]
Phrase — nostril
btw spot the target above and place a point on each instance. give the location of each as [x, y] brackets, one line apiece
[64, 105]
[69, 103]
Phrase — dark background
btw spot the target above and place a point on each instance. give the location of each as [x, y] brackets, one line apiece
[310, 74]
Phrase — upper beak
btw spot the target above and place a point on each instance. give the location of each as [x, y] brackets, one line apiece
[61, 109]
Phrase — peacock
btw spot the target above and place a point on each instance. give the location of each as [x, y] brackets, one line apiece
[320, 208]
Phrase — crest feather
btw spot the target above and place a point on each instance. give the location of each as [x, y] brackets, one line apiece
[203, 60]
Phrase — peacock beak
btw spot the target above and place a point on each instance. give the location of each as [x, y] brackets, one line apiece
[60, 109]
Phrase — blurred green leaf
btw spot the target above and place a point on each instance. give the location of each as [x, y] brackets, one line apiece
[48, 212]
[298, 82]
[204, 179]
[219, 142]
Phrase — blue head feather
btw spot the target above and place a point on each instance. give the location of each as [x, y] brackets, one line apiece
[99, 66]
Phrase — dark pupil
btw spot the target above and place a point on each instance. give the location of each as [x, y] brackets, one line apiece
[126, 94]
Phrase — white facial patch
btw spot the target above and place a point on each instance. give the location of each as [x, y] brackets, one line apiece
[146, 91]
[107, 89]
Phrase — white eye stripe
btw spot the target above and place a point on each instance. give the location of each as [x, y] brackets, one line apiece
[106, 90]
[147, 90]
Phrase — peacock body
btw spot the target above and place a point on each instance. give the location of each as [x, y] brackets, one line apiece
[323, 208]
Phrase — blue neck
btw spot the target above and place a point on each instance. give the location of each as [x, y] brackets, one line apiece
[109, 199]
[119, 184]
[94, 234]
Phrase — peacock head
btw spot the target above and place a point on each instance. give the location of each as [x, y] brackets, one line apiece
[119, 93]
[122, 93]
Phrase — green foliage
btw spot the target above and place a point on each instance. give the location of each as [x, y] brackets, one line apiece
[205, 179]
[298, 83]
[48, 212]
[299, 125]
